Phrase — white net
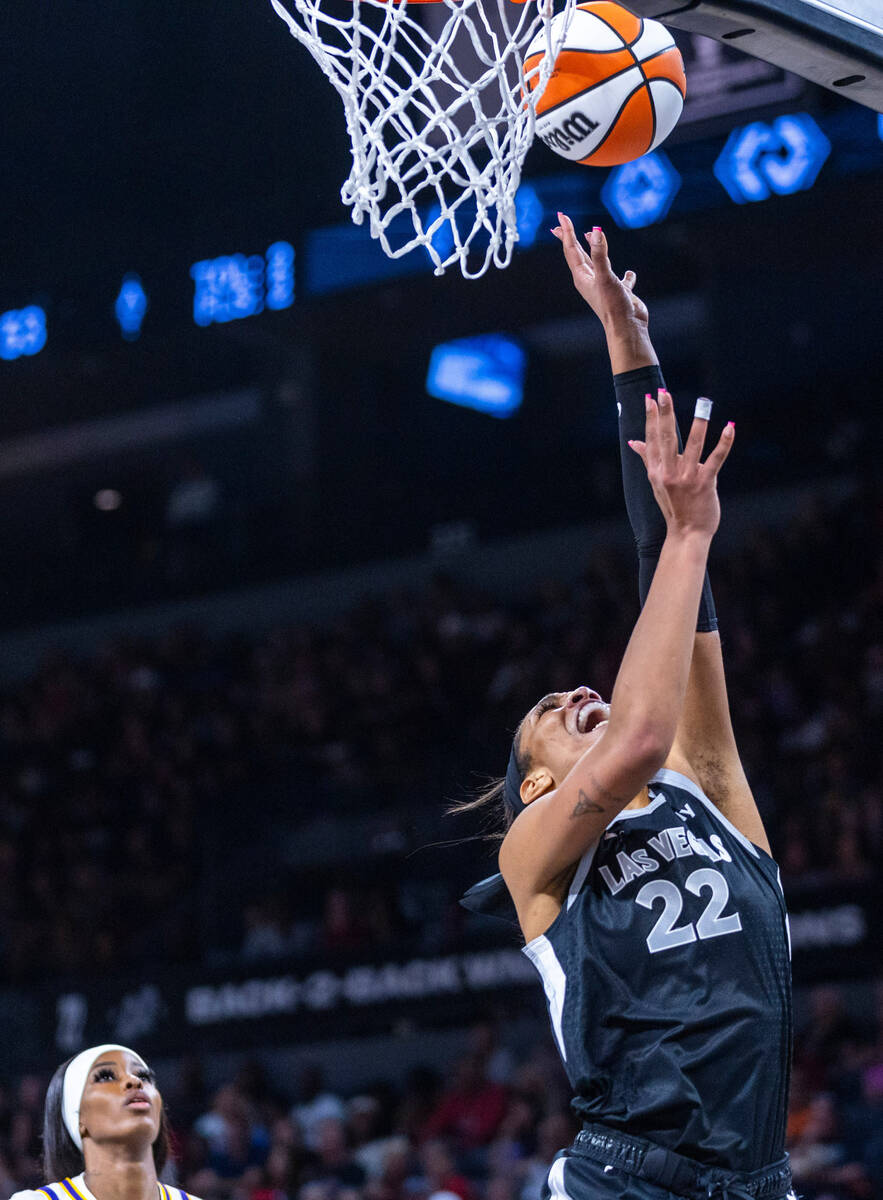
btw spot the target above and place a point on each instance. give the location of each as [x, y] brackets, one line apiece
[438, 113]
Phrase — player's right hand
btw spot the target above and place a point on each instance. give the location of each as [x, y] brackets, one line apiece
[612, 299]
[685, 488]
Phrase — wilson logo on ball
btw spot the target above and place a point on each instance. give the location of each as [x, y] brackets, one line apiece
[575, 129]
[634, 72]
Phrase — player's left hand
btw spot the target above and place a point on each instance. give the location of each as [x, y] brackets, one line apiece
[612, 299]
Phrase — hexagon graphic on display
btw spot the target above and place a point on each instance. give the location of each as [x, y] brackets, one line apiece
[641, 192]
[760, 160]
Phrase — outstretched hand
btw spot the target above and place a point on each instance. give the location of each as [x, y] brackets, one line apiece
[612, 299]
[685, 488]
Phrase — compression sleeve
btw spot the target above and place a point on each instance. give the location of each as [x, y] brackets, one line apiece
[647, 521]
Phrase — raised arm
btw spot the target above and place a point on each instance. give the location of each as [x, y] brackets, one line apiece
[705, 747]
[564, 817]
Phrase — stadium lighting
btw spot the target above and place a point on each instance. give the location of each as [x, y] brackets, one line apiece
[485, 373]
[235, 286]
[130, 306]
[22, 332]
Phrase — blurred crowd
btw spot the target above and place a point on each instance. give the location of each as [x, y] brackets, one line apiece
[133, 757]
[485, 1128]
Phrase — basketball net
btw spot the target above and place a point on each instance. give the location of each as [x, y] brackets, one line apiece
[438, 114]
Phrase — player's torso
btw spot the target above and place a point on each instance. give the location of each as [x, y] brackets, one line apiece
[668, 980]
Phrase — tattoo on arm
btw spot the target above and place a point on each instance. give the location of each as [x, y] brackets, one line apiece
[585, 803]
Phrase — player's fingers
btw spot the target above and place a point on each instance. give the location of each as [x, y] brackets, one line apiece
[629, 280]
[598, 250]
[718, 456]
[640, 448]
[573, 251]
[651, 431]
[667, 428]
[698, 430]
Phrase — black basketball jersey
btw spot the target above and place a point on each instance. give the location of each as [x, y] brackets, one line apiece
[668, 981]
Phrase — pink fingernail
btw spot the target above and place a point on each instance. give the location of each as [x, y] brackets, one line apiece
[731, 424]
[630, 442]
[560, 216]
[597, 229]
[647, 396]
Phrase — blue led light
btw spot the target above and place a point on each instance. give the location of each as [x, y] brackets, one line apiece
[130, 307]
[528, 214]
[22, 332]
[229, 288]
[236, 286]
[641, 192]
[880, 126]
[759, 160]
[485, 373]
[280, 275]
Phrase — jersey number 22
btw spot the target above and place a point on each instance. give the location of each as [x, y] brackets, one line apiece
[666, 933]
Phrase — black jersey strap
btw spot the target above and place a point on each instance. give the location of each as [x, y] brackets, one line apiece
[490, 898]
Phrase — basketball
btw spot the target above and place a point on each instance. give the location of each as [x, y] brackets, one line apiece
[617, 88]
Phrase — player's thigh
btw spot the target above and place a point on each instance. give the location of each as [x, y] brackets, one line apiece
[573, 1177]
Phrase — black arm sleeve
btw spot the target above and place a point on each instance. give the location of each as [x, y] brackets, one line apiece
[647, 521]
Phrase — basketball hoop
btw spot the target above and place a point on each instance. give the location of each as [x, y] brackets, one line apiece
[439, 114]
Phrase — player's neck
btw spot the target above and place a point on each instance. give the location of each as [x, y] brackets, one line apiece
[114, 1174]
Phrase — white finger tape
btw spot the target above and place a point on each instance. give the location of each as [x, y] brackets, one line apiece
[703, 408]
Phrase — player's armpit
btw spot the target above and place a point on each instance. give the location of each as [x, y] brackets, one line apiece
[705, 745]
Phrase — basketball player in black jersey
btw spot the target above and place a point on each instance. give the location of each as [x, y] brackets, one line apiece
[635, 856]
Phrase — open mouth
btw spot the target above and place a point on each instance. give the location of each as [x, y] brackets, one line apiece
[591, 715]
[138, 1102]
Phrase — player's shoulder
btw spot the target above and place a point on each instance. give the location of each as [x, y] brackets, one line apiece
[168, 1192]
[62, 1189]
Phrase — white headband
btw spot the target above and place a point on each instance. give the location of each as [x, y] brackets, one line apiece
[75, 1082]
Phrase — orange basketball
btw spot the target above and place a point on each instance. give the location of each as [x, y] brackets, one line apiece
[617, 88]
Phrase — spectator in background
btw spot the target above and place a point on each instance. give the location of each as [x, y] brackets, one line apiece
[440, 1174]
[554, 1131]
[820, 1160]
[364, 1125]
[470, 1111]
[830, 1034]
[864, 1124]
[484, 1041]
[234, 1136]
[419, 1100]
[334, 1158]
[315, 1105]
[391, 1183]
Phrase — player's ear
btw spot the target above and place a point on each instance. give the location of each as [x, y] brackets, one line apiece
[536, 783]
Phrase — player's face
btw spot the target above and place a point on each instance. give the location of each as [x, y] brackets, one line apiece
[120, 1101]
[558, 731]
